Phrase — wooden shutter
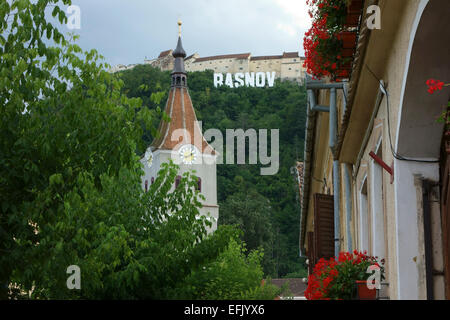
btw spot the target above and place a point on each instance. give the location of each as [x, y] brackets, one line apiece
[323, 226]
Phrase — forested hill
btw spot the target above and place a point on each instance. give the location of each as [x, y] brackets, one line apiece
[265, 207]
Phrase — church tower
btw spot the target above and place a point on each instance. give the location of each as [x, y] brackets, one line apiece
[182, 140]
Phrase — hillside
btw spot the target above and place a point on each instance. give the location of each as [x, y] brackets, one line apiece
[265, 207]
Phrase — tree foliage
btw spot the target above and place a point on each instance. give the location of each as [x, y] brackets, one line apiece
[280, 107]
[70, 176]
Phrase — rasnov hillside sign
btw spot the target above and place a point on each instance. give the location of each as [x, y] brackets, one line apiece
[249, 79]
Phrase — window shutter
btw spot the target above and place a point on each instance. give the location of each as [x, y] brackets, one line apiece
[323, 226]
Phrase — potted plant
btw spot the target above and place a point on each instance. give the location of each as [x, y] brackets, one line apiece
[437, 85]
[364, 292]
[330, 42]
[340, 279]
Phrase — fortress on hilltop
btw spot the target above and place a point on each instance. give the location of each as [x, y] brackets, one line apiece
[288, 66]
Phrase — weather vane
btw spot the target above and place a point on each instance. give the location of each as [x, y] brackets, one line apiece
[179, 28]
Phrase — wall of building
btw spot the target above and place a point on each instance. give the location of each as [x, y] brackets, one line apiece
[226, 65]
[206, 171]
[401, 206]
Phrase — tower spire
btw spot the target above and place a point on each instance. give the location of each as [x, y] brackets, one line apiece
[179, 73]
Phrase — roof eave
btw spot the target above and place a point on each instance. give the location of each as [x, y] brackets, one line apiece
[358, 62]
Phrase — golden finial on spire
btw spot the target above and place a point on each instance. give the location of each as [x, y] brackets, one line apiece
[179, 27]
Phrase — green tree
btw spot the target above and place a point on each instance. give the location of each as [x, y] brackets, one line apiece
[280, 107]
[233, 275]
[70, 177]
[251, 212]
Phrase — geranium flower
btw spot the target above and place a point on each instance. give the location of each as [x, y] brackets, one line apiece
[434, 85]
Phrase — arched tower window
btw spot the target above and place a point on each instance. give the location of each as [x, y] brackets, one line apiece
[177, 181]
[153, 180]
[146, 185]
[199, 184]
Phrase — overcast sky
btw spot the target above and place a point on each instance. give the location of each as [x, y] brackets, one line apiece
[127, 31]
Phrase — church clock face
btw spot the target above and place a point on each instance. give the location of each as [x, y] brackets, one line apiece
[188, 154]
[149, 157]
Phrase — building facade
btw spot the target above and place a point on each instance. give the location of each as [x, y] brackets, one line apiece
[376, 167]
[288, 66]
[182, 141]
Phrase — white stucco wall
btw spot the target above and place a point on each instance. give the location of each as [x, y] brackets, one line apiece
[206, 171]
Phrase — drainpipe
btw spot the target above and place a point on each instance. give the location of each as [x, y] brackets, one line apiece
[312, 103]
[336, 175]
[332, 142]
[348, 204]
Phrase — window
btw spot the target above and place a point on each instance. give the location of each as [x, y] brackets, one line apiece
[363, 218]
[146, 185]
[177, 181]
[153, 180]
[199, 184]
[377, 206]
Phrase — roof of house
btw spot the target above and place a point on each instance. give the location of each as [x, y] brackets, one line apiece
[266, 57]
[165, 53]
[226, 56]
[290, 55]
[296, 285]
[187, 58]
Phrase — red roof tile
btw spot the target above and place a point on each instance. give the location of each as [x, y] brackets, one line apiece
[296, 286]
[181, 111]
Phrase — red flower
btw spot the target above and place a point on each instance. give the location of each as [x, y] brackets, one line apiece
[434, 85]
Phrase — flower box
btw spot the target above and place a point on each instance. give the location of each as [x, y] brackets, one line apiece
[352, 20]
[347, 53]
[364, 293]
[348, 39]
[344, 277]
[355, 7]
